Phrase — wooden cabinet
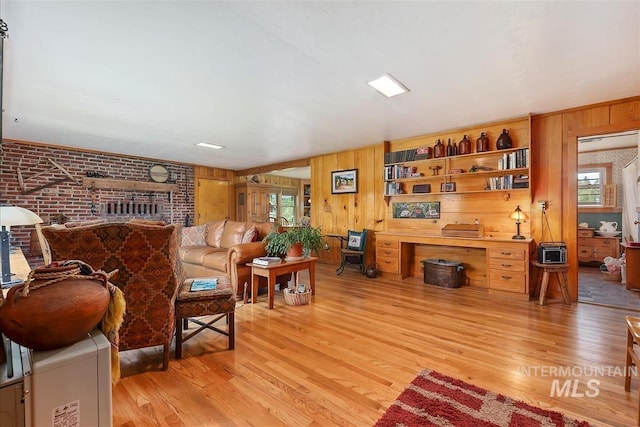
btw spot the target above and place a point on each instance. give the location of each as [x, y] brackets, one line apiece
[507, 269]
[252, 202]
[388, 255]
[598, 248]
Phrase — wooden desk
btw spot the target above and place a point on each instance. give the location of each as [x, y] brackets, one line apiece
[19, 266]
[273, 271]
[499, 264]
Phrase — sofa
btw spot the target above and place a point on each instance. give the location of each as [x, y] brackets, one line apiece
[225, 247]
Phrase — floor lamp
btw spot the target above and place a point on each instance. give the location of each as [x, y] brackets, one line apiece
[12, 215]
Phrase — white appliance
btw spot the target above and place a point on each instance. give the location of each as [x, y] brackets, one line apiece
[70, 386]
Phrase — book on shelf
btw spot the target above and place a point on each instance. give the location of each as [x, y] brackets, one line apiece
[267, 260]
[204, 284]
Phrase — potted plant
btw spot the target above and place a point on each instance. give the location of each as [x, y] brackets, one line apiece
[293, 241]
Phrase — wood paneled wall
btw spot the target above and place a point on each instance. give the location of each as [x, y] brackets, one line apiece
[492, 209]
[338, 213]
[555, 151]
[219, 174]
[553, 143]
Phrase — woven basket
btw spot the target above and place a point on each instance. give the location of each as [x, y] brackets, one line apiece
[612, 277]
[297, 298]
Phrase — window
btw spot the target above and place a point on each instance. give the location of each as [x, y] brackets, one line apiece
[591, 186]
[282, 203]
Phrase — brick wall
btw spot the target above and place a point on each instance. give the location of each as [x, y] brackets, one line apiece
[77, 203]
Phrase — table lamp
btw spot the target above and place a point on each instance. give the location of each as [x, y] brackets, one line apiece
[12, 215]
[519, 216]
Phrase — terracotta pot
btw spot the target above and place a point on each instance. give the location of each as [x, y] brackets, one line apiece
[295, 251]
[56, 315]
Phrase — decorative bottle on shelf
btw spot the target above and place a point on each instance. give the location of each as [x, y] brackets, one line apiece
[455, 148]
[465, 146]
[482, 143]
[449, 148]
[438, 149]
[504, 140]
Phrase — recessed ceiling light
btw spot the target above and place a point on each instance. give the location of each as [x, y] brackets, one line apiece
[214, 146]
[388, 86]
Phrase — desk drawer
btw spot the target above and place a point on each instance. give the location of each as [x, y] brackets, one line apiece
[585, 251]
[387, 243]
[506, 253]
[388, 253]
[506, 280]
[388, 265]
[601, 253]
[506, 264]
[605, 242]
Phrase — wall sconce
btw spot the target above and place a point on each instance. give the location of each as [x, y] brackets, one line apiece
[518, 216]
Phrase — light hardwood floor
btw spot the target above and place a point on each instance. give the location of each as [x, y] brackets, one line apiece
[343, 359]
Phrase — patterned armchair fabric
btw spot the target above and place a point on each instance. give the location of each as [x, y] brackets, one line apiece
[149, 274]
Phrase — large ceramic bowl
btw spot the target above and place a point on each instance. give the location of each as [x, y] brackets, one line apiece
[607, 233]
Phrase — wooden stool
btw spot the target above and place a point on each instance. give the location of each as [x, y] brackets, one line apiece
[632, 356]
[561, 275]
[220, 301]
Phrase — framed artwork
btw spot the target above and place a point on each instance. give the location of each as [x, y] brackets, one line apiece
[427, 210]
[345, 181]
[447, 187]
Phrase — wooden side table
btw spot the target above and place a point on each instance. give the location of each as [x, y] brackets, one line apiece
[273, 271]
[561, 274]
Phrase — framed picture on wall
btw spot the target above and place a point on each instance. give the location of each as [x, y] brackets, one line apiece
[345, 181]
[447, 187]
[427, 210]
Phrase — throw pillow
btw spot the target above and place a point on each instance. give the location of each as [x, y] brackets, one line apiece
[194, 236]
[249, 235]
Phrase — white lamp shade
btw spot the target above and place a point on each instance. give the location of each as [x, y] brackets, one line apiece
[14, 215]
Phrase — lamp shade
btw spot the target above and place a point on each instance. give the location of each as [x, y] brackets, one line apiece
[518, 215]
[14, 215]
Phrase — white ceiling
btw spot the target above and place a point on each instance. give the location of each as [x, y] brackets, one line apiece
[277, 81]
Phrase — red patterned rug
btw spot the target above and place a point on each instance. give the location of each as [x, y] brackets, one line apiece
[433, 399]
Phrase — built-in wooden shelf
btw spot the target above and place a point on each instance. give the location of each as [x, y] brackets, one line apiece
[128, 185]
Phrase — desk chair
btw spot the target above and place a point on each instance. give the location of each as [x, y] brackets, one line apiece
[355, 252]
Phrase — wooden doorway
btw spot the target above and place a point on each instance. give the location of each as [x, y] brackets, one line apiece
[212, 200]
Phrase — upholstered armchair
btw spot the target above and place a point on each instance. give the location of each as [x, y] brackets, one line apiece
[149, 274]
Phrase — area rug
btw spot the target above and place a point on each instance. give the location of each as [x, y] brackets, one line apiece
[433, 399]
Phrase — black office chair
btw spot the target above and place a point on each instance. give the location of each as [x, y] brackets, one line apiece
[355, 252]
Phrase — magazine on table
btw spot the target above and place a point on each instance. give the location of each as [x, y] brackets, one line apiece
[204, 284]
[267, 260]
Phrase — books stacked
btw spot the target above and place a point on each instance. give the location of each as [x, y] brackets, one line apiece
[204, 284]
[266, 260]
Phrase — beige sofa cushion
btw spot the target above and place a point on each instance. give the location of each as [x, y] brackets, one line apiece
[196, 254]
[232, 233]
[214, 233]
[216, 261]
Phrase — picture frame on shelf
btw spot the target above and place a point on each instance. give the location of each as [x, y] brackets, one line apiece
[344, 181]
[447, 187]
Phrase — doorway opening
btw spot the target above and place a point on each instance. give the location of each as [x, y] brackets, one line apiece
[607, 202]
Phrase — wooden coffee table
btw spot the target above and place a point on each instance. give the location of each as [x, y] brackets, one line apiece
[273, 271]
